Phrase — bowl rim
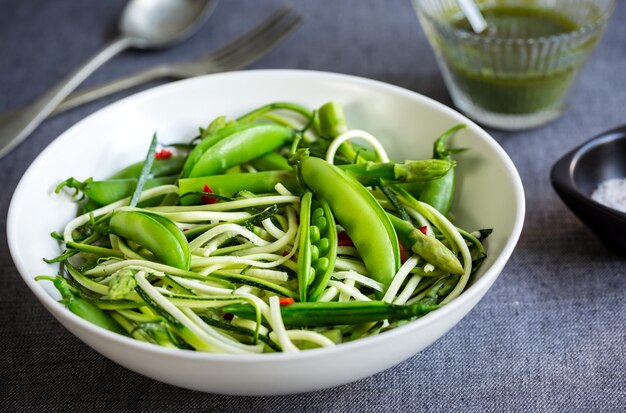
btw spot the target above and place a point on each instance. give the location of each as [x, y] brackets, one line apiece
[478, 288]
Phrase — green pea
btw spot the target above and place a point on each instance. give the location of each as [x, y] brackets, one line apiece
[321, 223]
[315, 253]
[323, 245]
[311, 275]
[314, 232]
[318, 212]
[322, 265]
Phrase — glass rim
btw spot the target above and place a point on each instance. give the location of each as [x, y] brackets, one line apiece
[592, 26]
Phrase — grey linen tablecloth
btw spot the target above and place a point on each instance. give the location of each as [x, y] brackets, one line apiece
[550, 336]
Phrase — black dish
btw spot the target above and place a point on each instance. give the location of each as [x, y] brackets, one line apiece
[576, 175]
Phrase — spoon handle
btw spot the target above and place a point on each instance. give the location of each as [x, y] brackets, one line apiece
[14, 129]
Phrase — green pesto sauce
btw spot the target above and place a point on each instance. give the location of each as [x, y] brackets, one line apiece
[521, 22]
[512, 86]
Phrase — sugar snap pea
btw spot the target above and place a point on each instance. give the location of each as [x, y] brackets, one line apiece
[239, 147]
[317, 249]
[364, 220]
[439, 193]
[208, 140]
[332, 124]
[230, 184]
[325, 247]
[271, 161]
[111, 190]
[156, 233]
[83, 307]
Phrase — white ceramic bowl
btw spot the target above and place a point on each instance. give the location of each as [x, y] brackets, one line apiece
[490, 195]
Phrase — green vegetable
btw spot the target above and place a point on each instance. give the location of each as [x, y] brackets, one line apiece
[439, 193]
[337, 313]
[305, 271]
[156, 233]
[426, 246]
[239, 147]
[368, 174]
[81, 306]
[111, 190]
[325, 246]
[364, 220]
[145, 171]
[160, 168]
[209, 140]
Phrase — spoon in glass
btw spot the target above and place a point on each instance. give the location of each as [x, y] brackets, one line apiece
[144, 24]
[473, 15]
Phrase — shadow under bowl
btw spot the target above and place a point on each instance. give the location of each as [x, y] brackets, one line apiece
[577, 174]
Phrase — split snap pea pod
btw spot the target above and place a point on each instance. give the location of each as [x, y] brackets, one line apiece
[160, 168]
[305, 272]
[317, 249]
[83, 307]
[336, 313]
[427, 247]
[356, 209]
[239, 147]
[324, 242]
[156, 233]
[440, 192]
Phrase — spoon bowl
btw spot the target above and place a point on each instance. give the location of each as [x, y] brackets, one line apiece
[577, 174]
[155, 24]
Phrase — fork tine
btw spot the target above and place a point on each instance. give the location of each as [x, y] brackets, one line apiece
[250, 35]
[261, 45]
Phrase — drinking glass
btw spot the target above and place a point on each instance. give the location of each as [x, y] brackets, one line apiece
[517, 73]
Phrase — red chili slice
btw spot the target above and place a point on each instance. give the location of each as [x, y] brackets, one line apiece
[163, 154]
[403, 256]
[286, 301]
[344, 240]
[208, 199]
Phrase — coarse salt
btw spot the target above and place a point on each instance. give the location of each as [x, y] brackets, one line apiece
[611, 193]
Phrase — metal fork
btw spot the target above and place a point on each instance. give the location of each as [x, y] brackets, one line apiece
[235, 55]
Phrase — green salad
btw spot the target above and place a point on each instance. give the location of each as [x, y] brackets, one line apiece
[278, 231]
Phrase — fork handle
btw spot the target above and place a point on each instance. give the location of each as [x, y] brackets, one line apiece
[117, 85]
[15, 128]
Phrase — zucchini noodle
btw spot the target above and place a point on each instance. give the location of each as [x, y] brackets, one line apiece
[356, 134]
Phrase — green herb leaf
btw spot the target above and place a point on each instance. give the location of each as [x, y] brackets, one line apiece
[145, 171]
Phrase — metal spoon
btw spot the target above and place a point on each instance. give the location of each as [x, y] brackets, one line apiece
[144, 24]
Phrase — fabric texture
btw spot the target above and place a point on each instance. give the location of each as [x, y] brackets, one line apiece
[550, 335]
